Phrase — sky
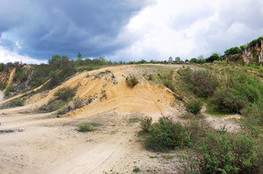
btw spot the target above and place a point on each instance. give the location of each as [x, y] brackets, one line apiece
[129, 30]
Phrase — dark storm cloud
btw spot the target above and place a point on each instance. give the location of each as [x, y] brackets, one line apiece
[47, 27]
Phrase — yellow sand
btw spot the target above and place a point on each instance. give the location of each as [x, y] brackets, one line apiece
[146, 98]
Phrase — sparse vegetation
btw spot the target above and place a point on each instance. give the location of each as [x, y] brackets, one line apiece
[88, 127]
[78, 102]
[100, 74]
[53, 105]
[134, 120]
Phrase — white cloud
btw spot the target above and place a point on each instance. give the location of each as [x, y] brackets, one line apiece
[12, 56]
[191, 28]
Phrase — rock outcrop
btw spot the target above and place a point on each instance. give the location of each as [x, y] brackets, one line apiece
[253, 54]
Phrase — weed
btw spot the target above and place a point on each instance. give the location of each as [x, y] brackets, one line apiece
[136, 170]
[134, 120]
[100, 74]
[78, 102]
[131, 81]
[65, 93]
[103, 94]
[168, 157]
[85, 128]
[146, 123]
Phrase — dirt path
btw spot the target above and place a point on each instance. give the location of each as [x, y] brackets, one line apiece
[1, 95]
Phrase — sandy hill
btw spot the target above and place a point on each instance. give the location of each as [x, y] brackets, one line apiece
[108, 91]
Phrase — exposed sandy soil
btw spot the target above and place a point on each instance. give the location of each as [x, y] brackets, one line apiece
[53, 145]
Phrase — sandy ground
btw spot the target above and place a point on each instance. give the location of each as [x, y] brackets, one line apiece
[53, 145]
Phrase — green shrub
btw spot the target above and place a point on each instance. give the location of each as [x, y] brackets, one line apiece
[254, 112]
[85, 128]
[136, 170]
[247, 85]
[164, 135]
[20, 75]
[146, 123]
[88, 127]
[65, 93]
[201, 83]
[194, 106]
[16, 102]
[53, 105]
[131, 81]
[224, 153]
[2, 86]
[9, 89]
[226, 102]
[221, 152]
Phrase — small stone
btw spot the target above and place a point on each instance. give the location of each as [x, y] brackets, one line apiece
[21, 129]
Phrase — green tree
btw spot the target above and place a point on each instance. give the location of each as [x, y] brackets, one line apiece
[213, 57]
[242, 47]
[170, 59]
[194, 60]
[177, 59]
[231, 51]
[79, 56]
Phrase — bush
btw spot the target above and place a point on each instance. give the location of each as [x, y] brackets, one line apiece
[85, 128]
[223, 153]
[227, 102]
[2, 86]
[78, 102]
[146, 123]
[9, 89]
[254, 112]
[164, 135]
[53, 105]
[16, 102]
[201, 83]
[246, 85]
[131, 81]
[65, 93]
[194, 106]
